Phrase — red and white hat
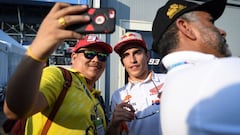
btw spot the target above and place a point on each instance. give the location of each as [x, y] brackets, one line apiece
[92, 40]
[127, 38]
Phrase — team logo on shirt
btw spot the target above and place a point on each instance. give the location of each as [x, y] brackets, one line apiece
[127, 98]
[155, 90]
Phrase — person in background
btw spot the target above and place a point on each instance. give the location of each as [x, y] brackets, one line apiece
[33, 89]
[135, 106]
[202, 88]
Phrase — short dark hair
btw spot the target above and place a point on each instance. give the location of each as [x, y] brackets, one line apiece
[121, 58]
[170, 38]
[168, 41]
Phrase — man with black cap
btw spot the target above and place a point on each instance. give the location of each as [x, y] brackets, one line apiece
[200, 95]
[135, 106]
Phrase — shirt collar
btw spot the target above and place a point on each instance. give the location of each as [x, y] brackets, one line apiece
[149, 77]
[94, 91]
[175, 59]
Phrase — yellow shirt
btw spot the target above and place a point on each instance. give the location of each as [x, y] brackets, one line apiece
[74, 115]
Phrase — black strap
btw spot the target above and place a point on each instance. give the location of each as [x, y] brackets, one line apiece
[102, 103]
[68, 80]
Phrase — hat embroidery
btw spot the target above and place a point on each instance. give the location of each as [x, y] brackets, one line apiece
[174, 9]
[93, 38]
[128, 36]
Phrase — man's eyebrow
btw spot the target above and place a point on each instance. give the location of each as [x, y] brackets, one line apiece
[126, 53]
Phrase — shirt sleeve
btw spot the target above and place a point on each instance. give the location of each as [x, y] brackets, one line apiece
[51, 83]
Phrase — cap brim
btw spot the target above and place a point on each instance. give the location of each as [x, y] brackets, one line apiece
[214, 7]
[102, 45]
[121, 45]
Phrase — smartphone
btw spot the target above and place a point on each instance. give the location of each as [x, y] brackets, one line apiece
[102, 21]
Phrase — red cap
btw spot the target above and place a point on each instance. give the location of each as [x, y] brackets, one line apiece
[129, 37]
[90, 40]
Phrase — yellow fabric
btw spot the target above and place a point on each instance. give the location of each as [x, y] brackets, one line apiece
[74, 115]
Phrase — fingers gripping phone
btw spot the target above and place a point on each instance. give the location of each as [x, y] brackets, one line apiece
[102, 20]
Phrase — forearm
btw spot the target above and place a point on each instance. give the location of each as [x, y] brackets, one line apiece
[23, 86]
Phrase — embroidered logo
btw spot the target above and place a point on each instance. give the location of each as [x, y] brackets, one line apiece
[156, 102]
[155, 90]
[131, 35]
[174, 9]
[127, 98]
[93, 38]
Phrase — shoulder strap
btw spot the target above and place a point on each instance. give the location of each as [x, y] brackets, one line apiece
[102, 103]
[68, 80]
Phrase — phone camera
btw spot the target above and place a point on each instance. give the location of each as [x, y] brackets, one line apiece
[100, 19]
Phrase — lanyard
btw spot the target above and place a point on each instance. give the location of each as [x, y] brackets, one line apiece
[96, 119]
[89, 95]
[84, 87]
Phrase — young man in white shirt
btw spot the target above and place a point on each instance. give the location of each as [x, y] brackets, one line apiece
[135, 106]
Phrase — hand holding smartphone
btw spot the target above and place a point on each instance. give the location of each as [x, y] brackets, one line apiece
[103, 21]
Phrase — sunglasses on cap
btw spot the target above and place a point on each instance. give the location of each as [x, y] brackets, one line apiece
[91, 54]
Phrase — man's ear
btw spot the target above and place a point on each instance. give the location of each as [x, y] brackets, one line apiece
[185, 28]
[73, 55]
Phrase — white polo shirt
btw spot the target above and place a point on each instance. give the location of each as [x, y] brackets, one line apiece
[144, 98]
[201, 95]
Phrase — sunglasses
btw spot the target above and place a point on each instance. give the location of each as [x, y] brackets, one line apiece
[91, 54]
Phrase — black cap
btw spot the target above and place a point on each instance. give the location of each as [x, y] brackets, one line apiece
[167, 14]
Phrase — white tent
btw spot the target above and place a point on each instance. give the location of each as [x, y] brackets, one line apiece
[11, 53]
